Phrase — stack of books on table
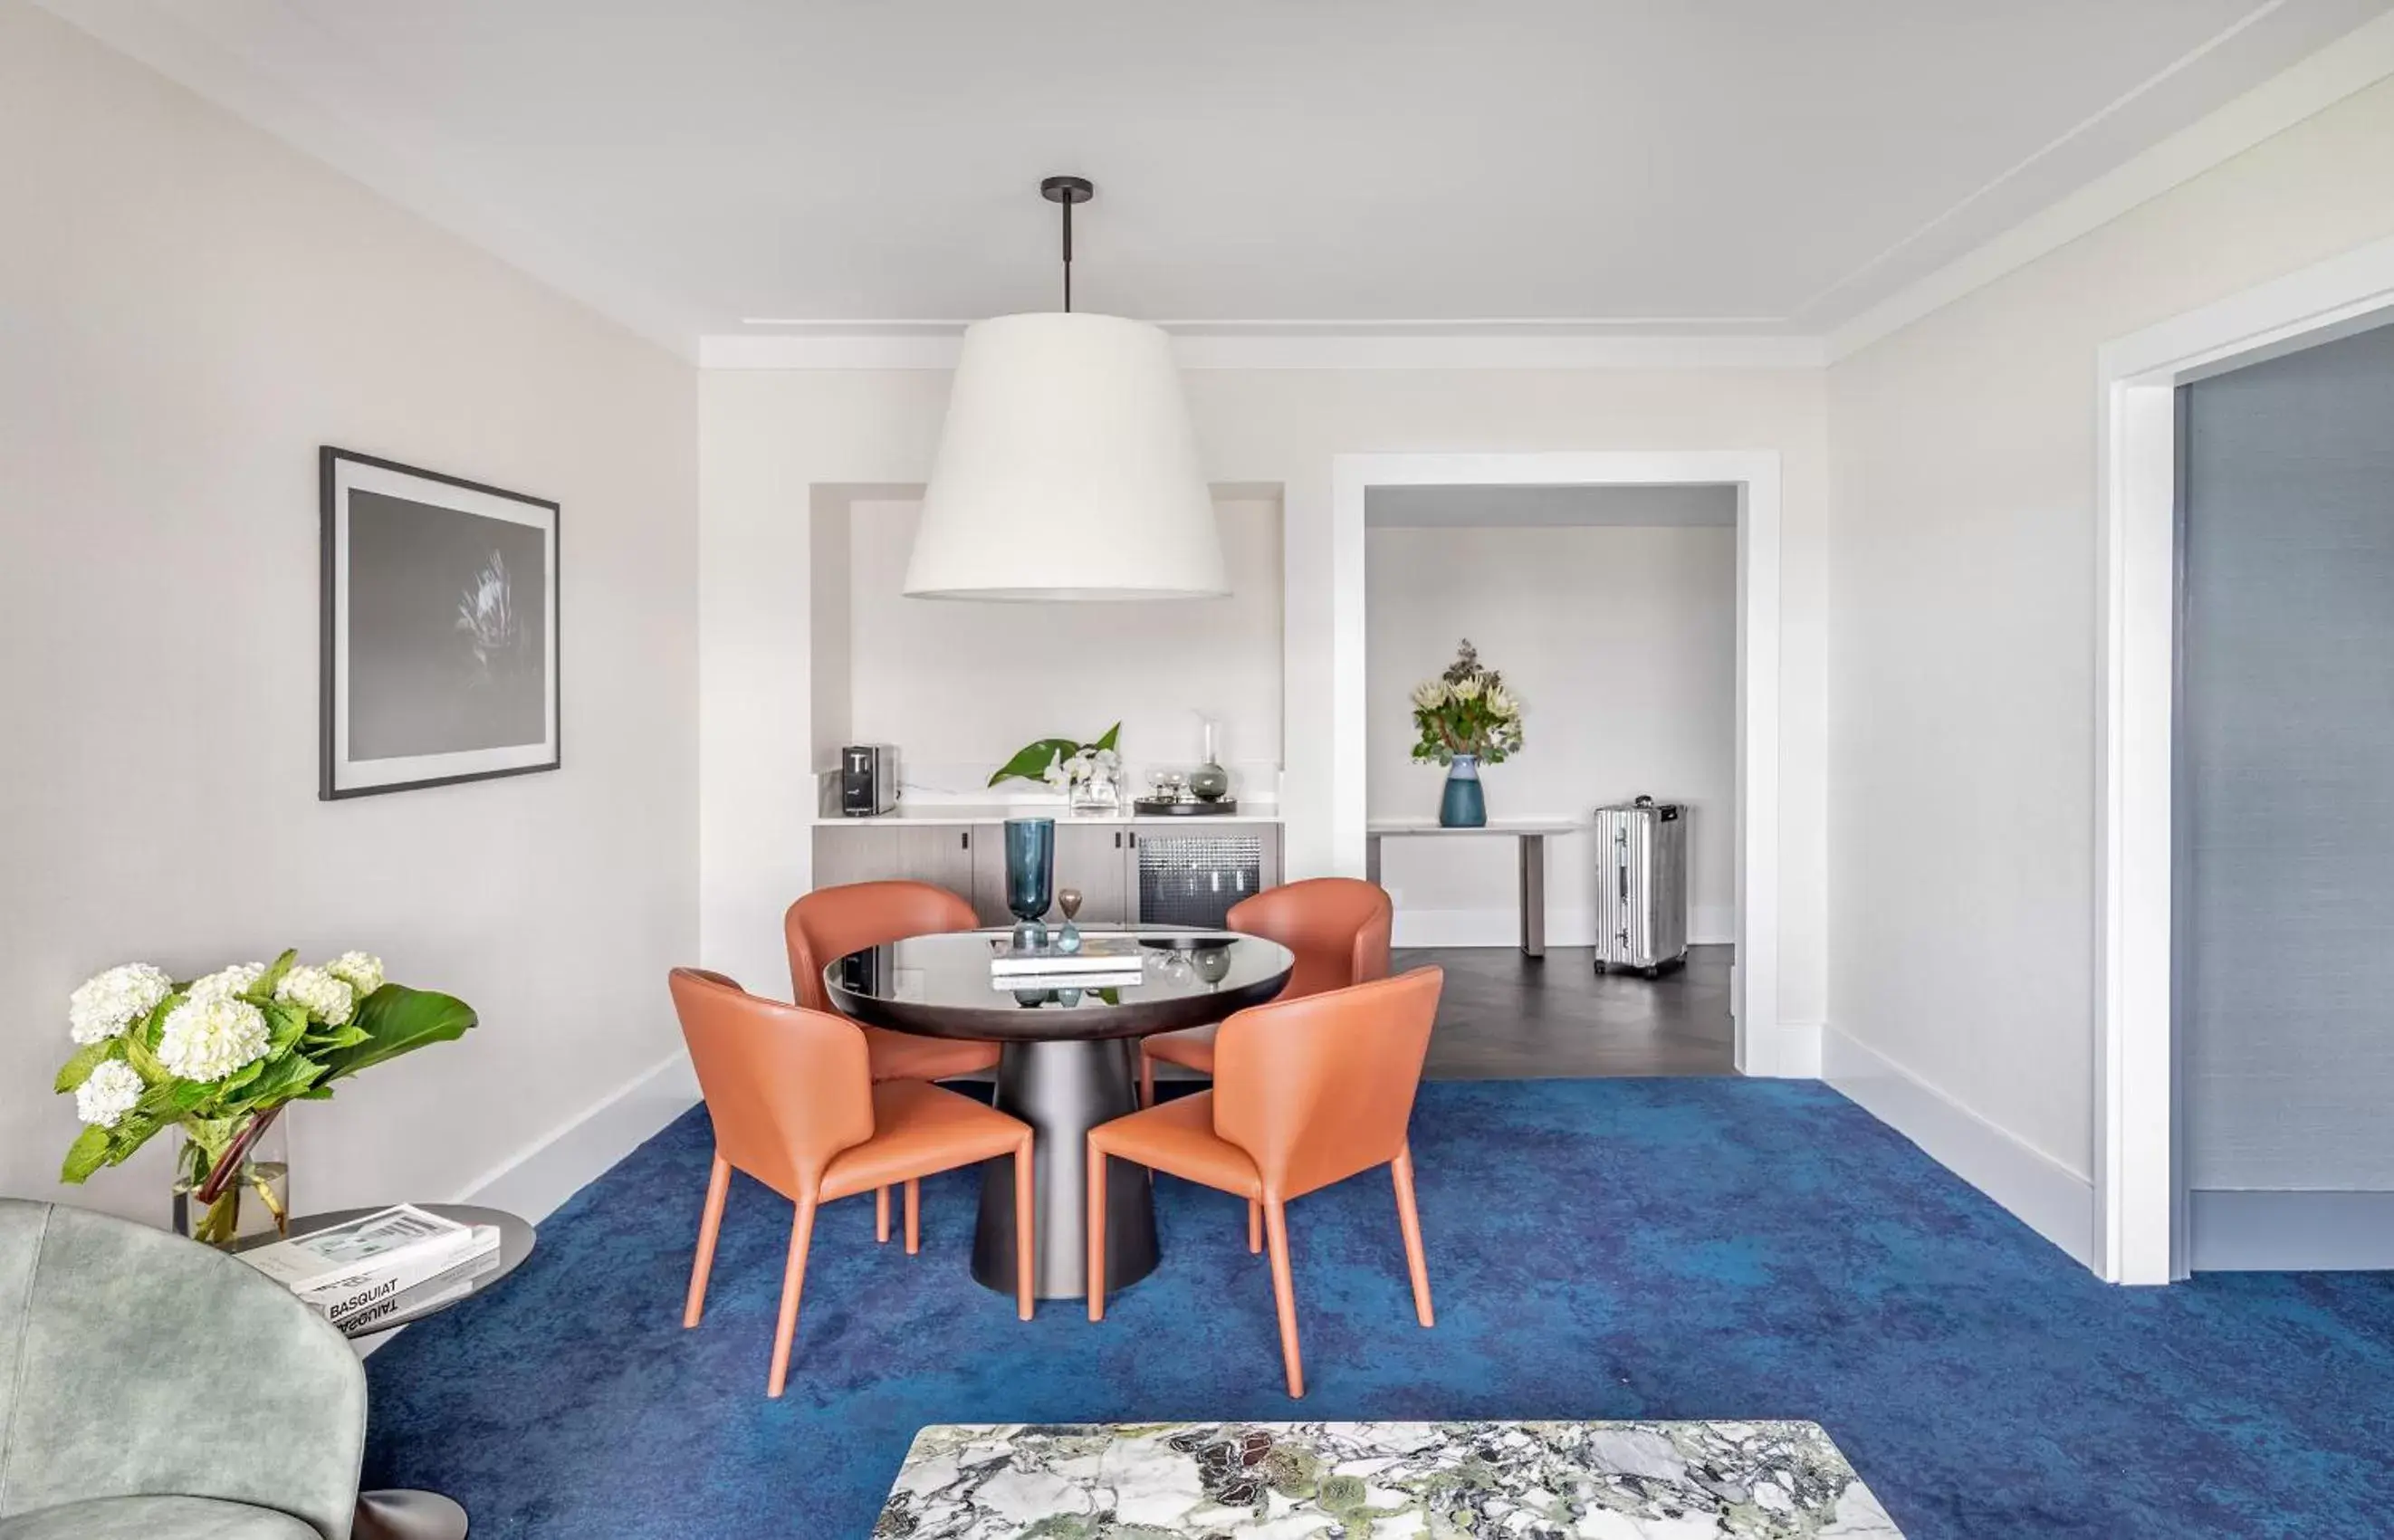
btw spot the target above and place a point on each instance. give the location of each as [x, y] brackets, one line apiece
[1103, 962]
[392, 1262]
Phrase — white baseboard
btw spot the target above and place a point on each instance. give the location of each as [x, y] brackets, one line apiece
[536, 1180]
[2041, 1192]
[1789, 1051]
[1706, 926]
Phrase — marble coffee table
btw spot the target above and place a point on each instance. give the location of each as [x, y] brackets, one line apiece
[1347, 1481]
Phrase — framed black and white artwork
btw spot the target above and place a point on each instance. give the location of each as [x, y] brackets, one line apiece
[440, 629]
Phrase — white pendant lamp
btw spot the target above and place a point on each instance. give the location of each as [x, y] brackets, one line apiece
[1068, 468]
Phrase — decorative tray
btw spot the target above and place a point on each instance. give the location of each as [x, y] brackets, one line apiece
[1164, 807]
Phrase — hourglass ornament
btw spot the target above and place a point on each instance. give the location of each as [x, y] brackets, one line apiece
[1068, 939]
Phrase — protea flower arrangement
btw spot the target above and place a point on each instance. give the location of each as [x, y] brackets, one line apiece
[220, 1056]
[1465, 716]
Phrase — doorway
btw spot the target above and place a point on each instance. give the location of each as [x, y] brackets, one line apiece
[2142, 1231]
[2284, 948]
[1613, 613]
[1742, 977]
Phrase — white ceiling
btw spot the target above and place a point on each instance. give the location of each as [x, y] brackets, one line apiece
[1747, 166]
[1519, 506]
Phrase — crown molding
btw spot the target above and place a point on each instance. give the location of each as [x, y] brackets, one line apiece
[2352, 63]
[149, 31]
[1218, 345]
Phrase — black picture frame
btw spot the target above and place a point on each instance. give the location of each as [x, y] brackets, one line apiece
[341, 773]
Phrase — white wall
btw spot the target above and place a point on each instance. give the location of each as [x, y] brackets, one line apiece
[188, 310]
[1624, 641]
[769, 436]
[1962, 646]
[960, 686]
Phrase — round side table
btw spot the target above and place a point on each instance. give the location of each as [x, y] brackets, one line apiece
[403, 1514]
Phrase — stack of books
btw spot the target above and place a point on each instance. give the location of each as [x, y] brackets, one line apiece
[396, 1262]
[1103, 962]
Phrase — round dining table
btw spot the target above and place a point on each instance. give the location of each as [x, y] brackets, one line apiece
[1068, 1063]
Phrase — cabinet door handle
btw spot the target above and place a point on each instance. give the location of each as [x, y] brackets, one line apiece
[964, 839]
[1117, 840]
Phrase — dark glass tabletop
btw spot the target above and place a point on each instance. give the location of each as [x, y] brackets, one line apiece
[944, 986]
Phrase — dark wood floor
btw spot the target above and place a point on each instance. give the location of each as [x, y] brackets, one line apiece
[1506, 1017]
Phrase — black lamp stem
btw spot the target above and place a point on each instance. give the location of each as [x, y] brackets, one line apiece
[1067, 191]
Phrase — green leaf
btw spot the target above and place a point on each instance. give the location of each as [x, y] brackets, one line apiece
[264, 989]
[284, 1079]
[85, 1155]
[287, 1023]
[397, 1019]
[146, 1035]
[77, 1069]
[132, 1131]
[1031, 761]
[246, 1075]
[1114, 736]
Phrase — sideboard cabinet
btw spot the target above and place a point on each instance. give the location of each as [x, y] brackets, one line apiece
[1182, 872]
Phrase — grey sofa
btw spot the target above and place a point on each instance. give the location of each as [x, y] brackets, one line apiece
[153, 1390]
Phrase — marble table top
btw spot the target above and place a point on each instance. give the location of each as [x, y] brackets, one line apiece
[1380, 1480]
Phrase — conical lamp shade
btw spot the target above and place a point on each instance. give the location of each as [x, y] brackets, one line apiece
[1067, 471]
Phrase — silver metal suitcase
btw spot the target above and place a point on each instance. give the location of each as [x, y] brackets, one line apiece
[1641, 886]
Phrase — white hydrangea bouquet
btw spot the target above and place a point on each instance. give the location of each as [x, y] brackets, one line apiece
[1466, 711]
[221, 1056]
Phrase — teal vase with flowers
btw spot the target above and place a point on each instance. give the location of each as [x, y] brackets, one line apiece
[1467, 717]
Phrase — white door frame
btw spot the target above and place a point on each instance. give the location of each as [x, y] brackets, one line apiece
[1755, 993]
[2137, 445]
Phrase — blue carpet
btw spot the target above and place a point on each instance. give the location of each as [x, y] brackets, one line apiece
[1615, 1248]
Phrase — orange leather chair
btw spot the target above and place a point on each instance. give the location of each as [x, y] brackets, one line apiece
[1337, 927]
[830, 923]
[1306, 1092]
[790, 1094]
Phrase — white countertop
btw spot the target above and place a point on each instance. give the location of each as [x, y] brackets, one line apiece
[998, 812]
[1493, 826]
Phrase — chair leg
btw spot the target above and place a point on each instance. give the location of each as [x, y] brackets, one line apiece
[710, 1224]
[1409, 1221]
[794, 1283]
[881, 1214]
[1023, 1239]
[1146, 1079]
[1285, 1292]
[1254, 1226]
[1096, 1231]
[914, 1216]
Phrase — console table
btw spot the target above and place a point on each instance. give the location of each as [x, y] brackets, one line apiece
[1529, 835]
